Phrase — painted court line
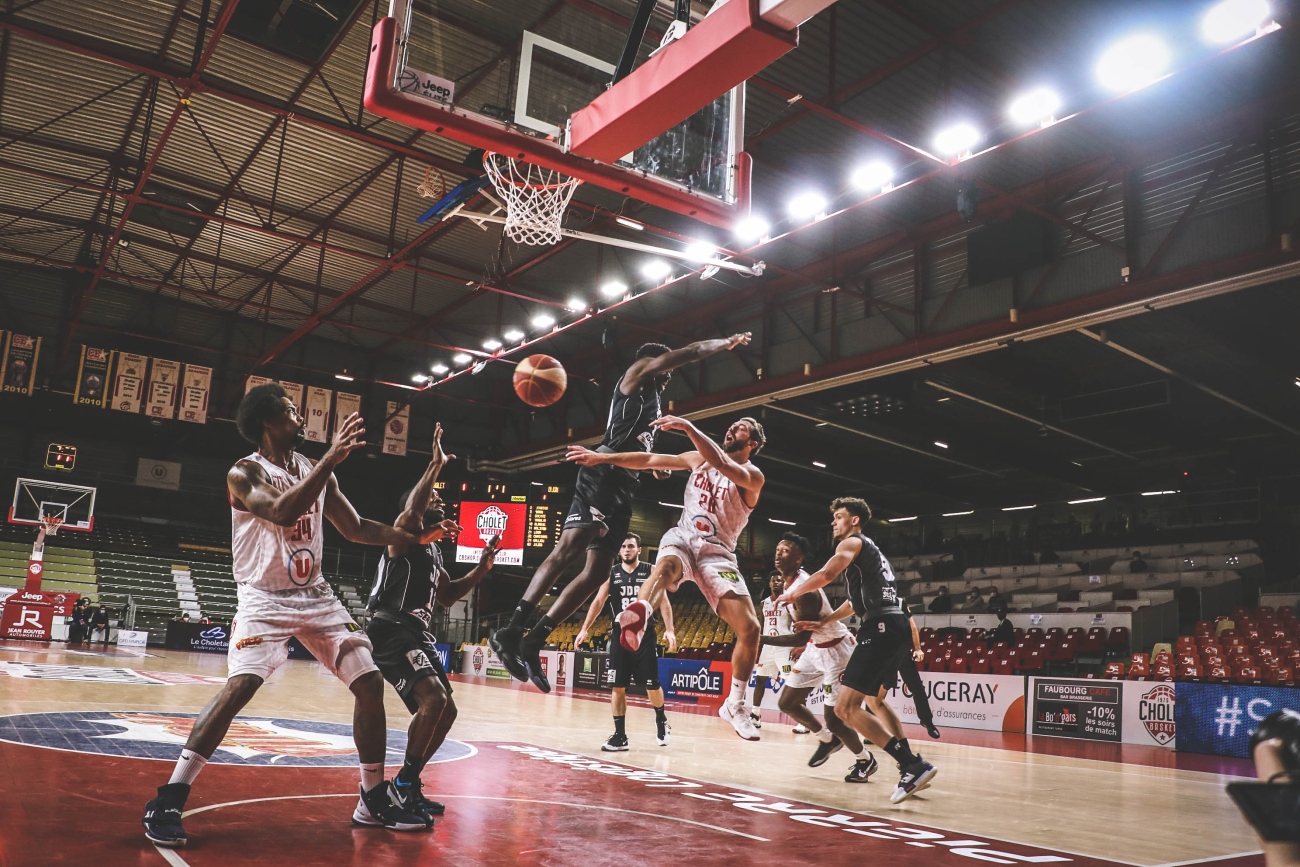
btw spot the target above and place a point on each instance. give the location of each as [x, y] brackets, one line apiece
[1212, 859]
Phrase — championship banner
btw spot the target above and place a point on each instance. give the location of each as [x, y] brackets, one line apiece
[92, 377]
[18, 370]
[164, 379]
[196, 387]
[481, 521]
[397, 428]
[316, 414]
[128, 383]
[254, 381]
[293, 390]
[345, 405]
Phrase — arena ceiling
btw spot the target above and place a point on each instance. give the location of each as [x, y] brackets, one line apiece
[181, 177]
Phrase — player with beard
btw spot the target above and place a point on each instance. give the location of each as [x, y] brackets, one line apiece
[721, 492]
[601, 511]
[872, 669]
[278, 502]
[411, 581]
[625, 579]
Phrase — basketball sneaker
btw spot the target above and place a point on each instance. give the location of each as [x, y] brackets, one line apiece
[756, 718]
[410, 797]
[631, 625]
[617, 743]
[862, 770]
[162, 816]
[932, 730]
[916, 776]
[801, 729]
[530, 654]
[505, 644]
[738, 716]
[379, 808]
[824, 751]
[663, 732]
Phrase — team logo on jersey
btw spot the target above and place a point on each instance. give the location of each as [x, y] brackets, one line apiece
[302, 567]
[418, 659]
[1156, 711]
[490, 522]
[250, 741]
[704, 525]
[250, 641]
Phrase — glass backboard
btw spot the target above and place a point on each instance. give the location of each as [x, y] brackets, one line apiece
[35, 499]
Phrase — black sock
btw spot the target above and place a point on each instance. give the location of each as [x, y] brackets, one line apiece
[523, 611]
[906, 745]
[411, 769]
[542, 631]
[619, 722]
[660, 715]
[900, 751]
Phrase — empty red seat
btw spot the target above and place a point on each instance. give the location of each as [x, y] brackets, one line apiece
[1032, 662]
[1217, 674]
[1139, 659]
[1118, 638]
[1190, 672]
[1248, 674]
[1163, 672]
[1279, 676]
[1114, 671]
[980, 665]
[1076, 632]
[958, 665]
[1002, 666]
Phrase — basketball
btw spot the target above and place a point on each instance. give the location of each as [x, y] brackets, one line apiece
[540, 380]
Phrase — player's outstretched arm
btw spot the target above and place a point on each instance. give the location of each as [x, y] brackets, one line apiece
[806, 609]
[412, 518]
[670, 634]
[845, 610]
[634, 460]
[450, 592]
[747, 477]
[648, 368]
[364, 531]
[845, 553]
[593, 611]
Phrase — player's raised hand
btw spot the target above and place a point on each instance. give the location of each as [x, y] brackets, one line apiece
[439, 531]
[440, 458]
[583, 457]
[670, 422]
[741, 339]
[350, 437]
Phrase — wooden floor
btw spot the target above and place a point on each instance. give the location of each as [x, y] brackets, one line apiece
[714, 798]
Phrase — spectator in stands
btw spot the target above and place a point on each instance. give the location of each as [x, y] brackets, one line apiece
[1275, 747]
[77, 621]
[942, 603]
[184, 618]
[1137, 564]
[205, 619]
[996, 601]
[98, 620]
[1004, 631]
[975, 599]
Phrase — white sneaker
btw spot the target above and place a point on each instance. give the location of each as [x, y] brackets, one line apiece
[756, 719]
[738, 716]
[801, 729]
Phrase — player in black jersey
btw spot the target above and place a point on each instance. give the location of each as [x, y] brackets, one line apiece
[885, 631]
[411, 581]
[625, 579]
[598, 518]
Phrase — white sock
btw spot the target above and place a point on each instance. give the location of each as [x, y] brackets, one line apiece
[371, 775]
[862, 755]
[737, 696]
[824, 735]
[187, 768]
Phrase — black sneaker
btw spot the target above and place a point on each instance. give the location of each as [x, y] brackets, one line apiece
[505, 644]
[824, 751]
[916, 776]
[379, 808]
[410, 797]
[162, 816]
[932, 730]
[617, 743]
[758, 720]
[663, 732]
[862, 770]
[530, 653]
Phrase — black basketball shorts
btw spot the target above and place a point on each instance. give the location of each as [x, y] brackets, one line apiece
[642, 664]
[874, 662]
[404, 655]
[601, 500]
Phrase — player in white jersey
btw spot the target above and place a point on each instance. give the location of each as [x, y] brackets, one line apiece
[279, 500]
[722, 490]
[773, 662]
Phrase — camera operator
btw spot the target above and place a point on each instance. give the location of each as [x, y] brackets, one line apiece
[1271, 805]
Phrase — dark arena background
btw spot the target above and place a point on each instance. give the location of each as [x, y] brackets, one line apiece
[1021, 275]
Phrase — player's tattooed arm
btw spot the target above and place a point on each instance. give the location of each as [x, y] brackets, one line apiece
[648, 368]
[247, 484]
[634, 460]
[845, 553]
[806, 609]
[593, 611]
[450, 592]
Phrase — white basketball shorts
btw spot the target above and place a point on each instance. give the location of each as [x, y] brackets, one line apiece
[774, 662]
[264, 621]
[712, 567]
[822, 666]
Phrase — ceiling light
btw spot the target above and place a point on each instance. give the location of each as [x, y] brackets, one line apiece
[1133, 63]
[819, 464]
[1018, 508]
[656, 269]
[491, 344]
[873, 176]
[419, 378]
[958, 514]
[461, 358]
[439, 369]
[1037, 106]
[941, 444]
[943, 400]
[751, 228]
[900, 520]
[1297, 380]
[1085, 500]
[343, 376]
[631, 224]
[786, 523]
[614, 289]
[1157, 493]
[957, 139]
[672, 505]
[1233, 19]
[538, 484]
[701, 251]
[513, 335]
[543, 320]
[807, 205]
[577, 305]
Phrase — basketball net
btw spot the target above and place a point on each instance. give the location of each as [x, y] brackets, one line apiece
[535, 198]
[51, 524]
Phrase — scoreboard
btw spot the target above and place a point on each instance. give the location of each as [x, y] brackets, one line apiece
[547, 505]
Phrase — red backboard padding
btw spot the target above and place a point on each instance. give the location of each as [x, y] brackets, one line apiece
[722, 51]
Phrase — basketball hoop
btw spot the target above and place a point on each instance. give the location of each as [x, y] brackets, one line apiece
[535, 198]
[51, 524]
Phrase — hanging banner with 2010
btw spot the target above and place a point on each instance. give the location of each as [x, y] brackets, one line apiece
[1087, 709]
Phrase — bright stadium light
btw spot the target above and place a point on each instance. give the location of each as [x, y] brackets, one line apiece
[1035, 107]
[751, 228]
[807, 205]
[701, 251]
[514, 335]
[1084, 500]
[872, 177]
[577, 305]
[491, 344]
[461, 358]
[543, 320]
[1133, 63]
[656, 269]
[1234, 19]
[1017, 508]
[786, 523]
[900, 520]
[958, 514]
[613, 289]
[419, 379]
[439, 369]
[957, 140]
